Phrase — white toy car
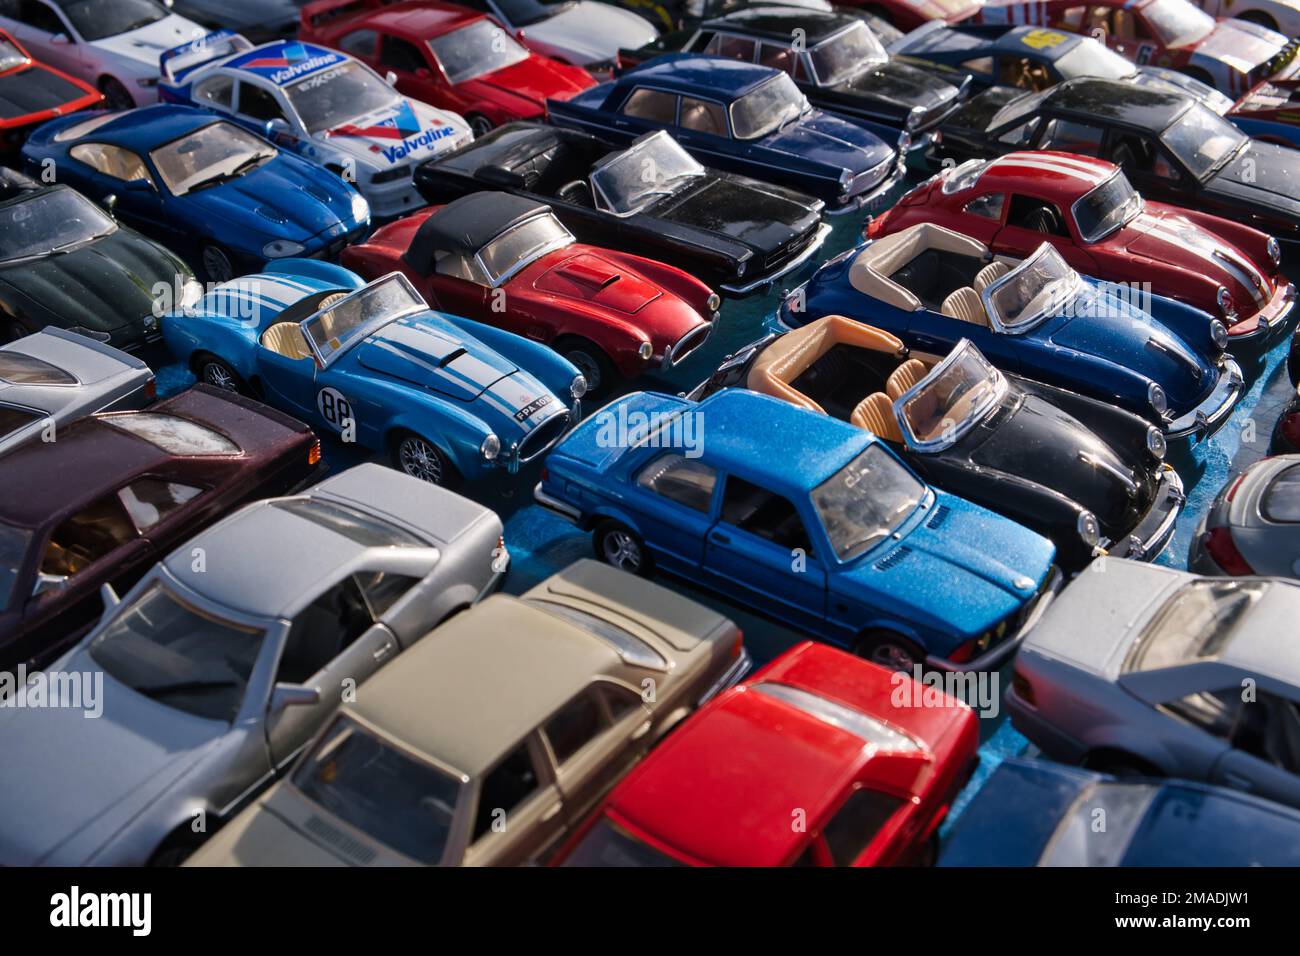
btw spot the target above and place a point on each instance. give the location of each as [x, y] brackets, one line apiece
[579, 32]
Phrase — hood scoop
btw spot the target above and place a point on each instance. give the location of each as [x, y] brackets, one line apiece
[272, 215]
[592, 278]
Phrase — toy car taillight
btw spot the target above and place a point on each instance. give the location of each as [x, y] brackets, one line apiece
[313, 455]
[151, 389]
[1219, 545]
[738, 644]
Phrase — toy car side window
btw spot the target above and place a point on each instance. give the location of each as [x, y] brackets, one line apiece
[760, 512]
[1020, 135]
[13, 418]
[778, 57]
[1269, 728]
[396, 54]
[857, 822]
[1072, 137]
[702, 42]
[323, 630]
[39, 16]
[458, 267]
[619, 700]
[512, 782]
[112, 161]
[653, 105]
[90, 534]
[686, 481]
[731, 47]
[360, 43]
[577, 724]
[383, 589]
[215, 91]
[257, 103]
[1214, 711]
[150, 500]
[703, 116]
[1024, 73]
[982, 64]
[1036, 215]
[988, 206]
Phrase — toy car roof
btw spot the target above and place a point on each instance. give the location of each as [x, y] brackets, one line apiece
[148, 126]
[14, 184]
[1013, 41]
[468, 224]
[777, 23]
[1137, 106]
[1070, 173]
[419, 18]
[284, 61]
[697, 73]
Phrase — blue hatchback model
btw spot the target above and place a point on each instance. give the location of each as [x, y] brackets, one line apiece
[806, 518]
[224, 198]
[746, 119]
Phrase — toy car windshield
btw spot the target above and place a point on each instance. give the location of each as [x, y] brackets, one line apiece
[1196, 624]
[334, 330]
[479, 48]
[49, 221]
[843, 56]
[1177, 23]
[1092, 58]
[1108, 207]
[1203, 141]
[330, 98]
[865, 501]
[622, 184]
[209, 156]
[768, 108]
[957, 178]
[948, 402]
[521, 245]
[10, 56]
[1040, 286]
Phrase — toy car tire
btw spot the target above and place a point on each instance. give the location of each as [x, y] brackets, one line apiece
[116, 96]
[218, 373]
[620, 547]
[420, 458]
[216, 264]
[889, 649]
[479, 124]
[591, 361]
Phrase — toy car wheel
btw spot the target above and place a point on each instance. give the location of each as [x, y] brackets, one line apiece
[889, 649]
[592, 362]
[1260, 18]
[421, 458]
[479, 124]
[621, 547]
[216, 264]
[116, 96]
[216, 372]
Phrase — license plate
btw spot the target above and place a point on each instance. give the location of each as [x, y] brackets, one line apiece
[532, 408]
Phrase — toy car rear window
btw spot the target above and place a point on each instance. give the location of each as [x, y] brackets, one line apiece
[1077, 842]
[353, 524]
[630, 648]
[1196, 624]
[1282, 499]
[19, 369]
[13, 418]
[176, 436]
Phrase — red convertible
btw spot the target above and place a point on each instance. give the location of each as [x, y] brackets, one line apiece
[506, 261]
[31, 93]
[447, 56]
[819, 759]
[1086, 208]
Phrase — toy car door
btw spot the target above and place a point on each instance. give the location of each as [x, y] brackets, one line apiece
[1265, 754]
[288, 378]
[1032, 220]
[676, 495]
[517, 807]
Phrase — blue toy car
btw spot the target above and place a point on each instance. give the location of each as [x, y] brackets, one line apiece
[746, 119]
[225, 199]
[448, 399]
[1040, 814]
[1037, 318]
[805, 518]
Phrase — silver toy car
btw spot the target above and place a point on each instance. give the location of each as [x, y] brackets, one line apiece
[1253, 525]
[226, 658]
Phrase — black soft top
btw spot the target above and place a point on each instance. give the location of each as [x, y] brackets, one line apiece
[468, 224]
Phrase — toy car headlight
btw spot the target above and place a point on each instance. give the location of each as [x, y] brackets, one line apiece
[1156, 396]
[578, 387]
[1274, 249]
[280, 248]
[1156, 442]
[1218, 334]
[741, 267]
[1224, 299]
[914, 117]
[846, 180]
[1089, 530]
[645, 351]
[360, 208]
[191, 293]
[490, 448]
[714, 302]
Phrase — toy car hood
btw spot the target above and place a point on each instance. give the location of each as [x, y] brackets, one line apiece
[147, 43]
[588, 277]
[590, 32]
[1265, 168]
[901, 83]
[533, 81]
[1240, 45]
[751, 212]
[1174, 240]
[282, 198]
[406, 131]
[830, 139]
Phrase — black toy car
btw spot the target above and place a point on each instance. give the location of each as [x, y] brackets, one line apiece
[1081, 472]
[652, 200]
[672, 15]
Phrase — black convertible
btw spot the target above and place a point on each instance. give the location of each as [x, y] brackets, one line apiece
[65, 262]
[1078, 471]
[651, 200]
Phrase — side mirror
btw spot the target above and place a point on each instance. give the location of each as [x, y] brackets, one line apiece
[109, 203]
[293, 695]
[109, 596]
[61, 39]
[424, 72]
[49, 582]
[390, 78]
[275, 127]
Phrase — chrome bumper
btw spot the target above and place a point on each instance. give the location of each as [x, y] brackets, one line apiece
[1154, 531]
[823, 231]
[555, 505]
[1281, 305]
[996, 656]
[1216, 406]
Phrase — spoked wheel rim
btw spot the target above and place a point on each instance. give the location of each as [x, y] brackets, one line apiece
[621, 550]
[587, 365]
[217, 375]
[420, 460]
[892, 656]
[217, 265]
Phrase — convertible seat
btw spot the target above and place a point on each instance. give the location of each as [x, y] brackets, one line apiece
[871, 270]
[781, 363]
[990, 274]
[965, 304]
[875, 414]
[285, 338]
[904, 377]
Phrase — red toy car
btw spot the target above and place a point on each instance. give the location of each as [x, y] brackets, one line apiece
[446, 56]
[506, 261]
[819, 759]
[1086, 208]
[909, 14]
[31, 93]
[1230, 55]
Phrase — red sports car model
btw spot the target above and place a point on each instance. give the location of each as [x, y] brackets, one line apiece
[506, 261]
[31, 93]
[820, 759]
[909, 14]
[1086, 208]
[447, 56]
[1230, 55]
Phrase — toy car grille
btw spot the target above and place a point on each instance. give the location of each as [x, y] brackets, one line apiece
[790, 250]
[872, 177]
[689, 342]
[543, 437]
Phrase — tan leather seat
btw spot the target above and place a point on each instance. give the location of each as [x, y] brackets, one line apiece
[990, 274]
[965, 304]
[875, 414]
[904, 377]
[285, 338]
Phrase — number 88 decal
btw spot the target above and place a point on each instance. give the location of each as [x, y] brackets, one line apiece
[334, 408]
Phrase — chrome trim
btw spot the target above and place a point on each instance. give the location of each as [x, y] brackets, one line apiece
[732, 675]
[1214, 408]
[823, 231]
[557, 243]
[361, 333]
[672, 354]
[950, 436]
[564, 510]
[1025, 325]
[1126, 480]
[996, 656]
[1171, 489]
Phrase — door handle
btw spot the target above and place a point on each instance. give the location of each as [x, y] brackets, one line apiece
[383, 651]
[552, 812]
[720, 538]
[642, 730]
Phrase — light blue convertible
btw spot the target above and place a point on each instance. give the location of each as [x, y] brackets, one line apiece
[447, 398]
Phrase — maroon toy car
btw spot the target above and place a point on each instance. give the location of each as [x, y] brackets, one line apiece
[1087, 209]
[507, 261]
[447, 56]
[118, 491]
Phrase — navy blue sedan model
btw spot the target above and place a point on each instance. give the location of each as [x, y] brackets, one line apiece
[1040, 814]
[224, 198]
[805, 518]
[746, 119]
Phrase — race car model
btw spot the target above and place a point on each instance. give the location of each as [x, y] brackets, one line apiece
[52, 377]
[874, 779]
[834, 58]
[65, 262]
[112, 45]
[1270, 113]
[324, 105]
[1089, 212]
[31, 93]
[225, 198]
[446, 55]
[217, 673]
[101, 503]
[261, 21]
[1282, 16]
[444, 398]
[651, 200]
[672, 15]
[1171, 148]
[1229, 55]
[803, 518]
[743, 118]
[931, 287]
[1253, 524]
[506, 261]
[1034, 58]
[1078, 471]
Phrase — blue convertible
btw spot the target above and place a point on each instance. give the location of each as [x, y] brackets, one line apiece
[806, 518]
[446, 398]
[224, 198]
[745, 119]
[1037, 318]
